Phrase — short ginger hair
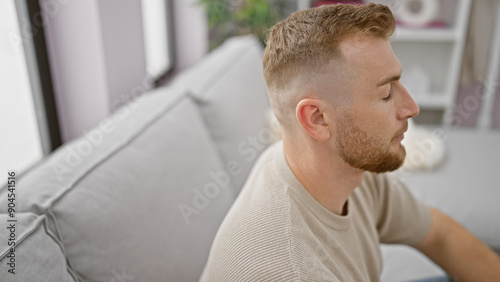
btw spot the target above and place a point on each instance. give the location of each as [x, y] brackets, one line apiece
[307, 40]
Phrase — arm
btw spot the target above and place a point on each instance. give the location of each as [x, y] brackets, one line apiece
[462, 255]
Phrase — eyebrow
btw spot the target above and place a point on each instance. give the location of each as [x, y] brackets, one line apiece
[388, 80]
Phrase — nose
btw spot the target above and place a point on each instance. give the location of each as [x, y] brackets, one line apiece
[407, 108]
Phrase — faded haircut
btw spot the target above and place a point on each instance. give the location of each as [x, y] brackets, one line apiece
[304, 43]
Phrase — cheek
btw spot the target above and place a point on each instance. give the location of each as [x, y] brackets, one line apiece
[376, 119]
[383, 130]
[376, 123]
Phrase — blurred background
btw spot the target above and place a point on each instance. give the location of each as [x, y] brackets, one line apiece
[68, 64]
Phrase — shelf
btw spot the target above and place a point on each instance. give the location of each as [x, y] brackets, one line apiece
[425, 34]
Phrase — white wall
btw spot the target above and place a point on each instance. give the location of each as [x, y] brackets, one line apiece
[97, 58]
[122, 34]
[191, 33]
[76, 55]
[96, 54]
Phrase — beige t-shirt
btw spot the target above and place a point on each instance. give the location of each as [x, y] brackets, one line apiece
[276, 231]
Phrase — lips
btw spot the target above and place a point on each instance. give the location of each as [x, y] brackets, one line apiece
[401, 133]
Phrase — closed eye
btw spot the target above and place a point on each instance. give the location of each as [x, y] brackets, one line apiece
[388, 97]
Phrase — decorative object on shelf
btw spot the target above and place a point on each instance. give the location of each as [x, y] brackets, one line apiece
[417, 13]
[417, 81]
[227, 18]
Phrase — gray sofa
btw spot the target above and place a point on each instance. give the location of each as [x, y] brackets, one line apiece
[140, 197]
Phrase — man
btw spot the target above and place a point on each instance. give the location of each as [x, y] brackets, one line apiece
[317, 205]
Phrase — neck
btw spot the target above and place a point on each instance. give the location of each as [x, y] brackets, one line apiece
[322, 173]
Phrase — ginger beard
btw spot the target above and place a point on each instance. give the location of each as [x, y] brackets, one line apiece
[360, 150]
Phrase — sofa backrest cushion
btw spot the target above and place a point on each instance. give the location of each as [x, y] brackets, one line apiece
[229, 87]
[35, 253]
[144, 203]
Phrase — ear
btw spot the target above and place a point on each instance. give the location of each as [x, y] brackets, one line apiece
[310, 114]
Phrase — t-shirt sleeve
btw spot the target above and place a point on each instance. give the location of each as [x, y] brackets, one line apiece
[400, 217]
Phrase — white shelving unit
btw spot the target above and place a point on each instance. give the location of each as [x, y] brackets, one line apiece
[434, 52]
[438, 52]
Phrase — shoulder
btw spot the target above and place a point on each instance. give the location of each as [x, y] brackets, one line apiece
[253, 242]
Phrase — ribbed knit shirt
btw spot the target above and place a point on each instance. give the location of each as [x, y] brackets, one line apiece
[276, 231]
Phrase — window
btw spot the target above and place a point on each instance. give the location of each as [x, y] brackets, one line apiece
[157, 29]
[28, 120]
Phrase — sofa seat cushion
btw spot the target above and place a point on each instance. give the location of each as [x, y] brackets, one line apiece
[465, 186]
[36, 252]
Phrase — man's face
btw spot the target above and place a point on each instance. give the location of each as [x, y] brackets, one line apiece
[370, 126]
